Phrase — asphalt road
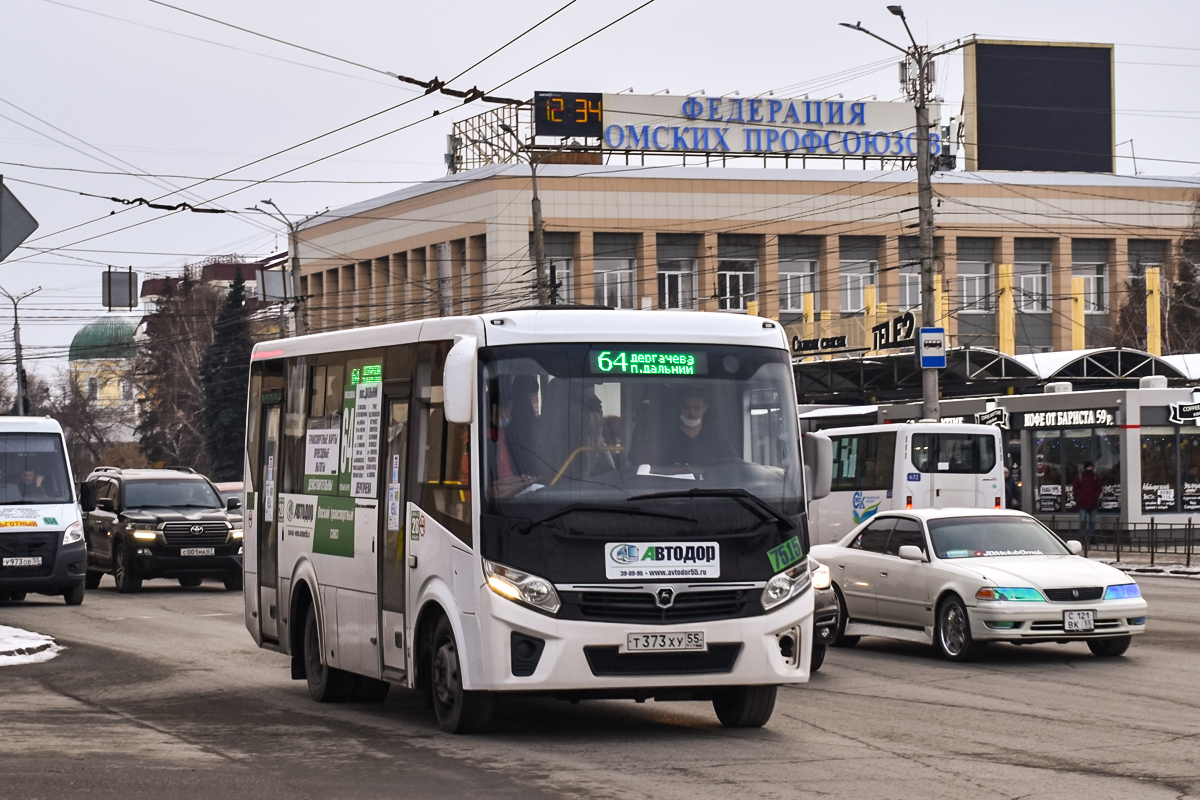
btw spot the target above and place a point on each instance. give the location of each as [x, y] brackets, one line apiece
[164, 694]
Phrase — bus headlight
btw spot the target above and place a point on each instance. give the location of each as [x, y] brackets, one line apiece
[521, 587]
[786, 585]
[73, 533]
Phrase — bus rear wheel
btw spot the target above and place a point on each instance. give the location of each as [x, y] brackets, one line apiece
[745, 706]
[457, 710]
[326, 684]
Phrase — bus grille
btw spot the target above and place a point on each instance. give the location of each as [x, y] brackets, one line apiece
[1068, 595]
[179, 534]
[610, 661]
[23, 545]
[601, 606]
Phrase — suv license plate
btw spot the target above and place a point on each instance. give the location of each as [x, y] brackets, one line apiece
[665, 642]
[26, 561]
[197, 551]
[1079, 621]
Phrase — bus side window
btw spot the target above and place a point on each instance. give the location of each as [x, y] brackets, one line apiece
[442, 450]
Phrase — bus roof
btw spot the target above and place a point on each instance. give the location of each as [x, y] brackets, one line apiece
[547, 325]
[29, 425]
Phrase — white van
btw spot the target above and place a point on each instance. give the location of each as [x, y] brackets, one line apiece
[907, 465]
[41, 531]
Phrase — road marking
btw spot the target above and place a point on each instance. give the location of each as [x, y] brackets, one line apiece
[226, 614]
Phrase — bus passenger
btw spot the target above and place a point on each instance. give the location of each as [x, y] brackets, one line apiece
[692, 440]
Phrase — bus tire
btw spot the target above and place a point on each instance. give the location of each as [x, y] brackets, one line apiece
[818, 657]
[745, 706]
[840, 639]
[92, 579]
[126, 579]
[457, 710]
[326, 684]
[74, 595]
[233, 583]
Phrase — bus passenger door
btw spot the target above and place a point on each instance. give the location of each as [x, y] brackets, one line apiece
[392, 567]
[268, 526]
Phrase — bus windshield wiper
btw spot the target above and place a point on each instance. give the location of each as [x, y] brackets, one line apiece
[756, 505]
[635, 512]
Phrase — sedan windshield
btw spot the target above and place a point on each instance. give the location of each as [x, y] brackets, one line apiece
[983, 537]
[171, 493]
[608, 425]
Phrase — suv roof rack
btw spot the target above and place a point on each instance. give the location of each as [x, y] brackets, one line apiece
[107, 469]
[182, 469]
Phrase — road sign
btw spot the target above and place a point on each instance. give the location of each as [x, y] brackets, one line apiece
[15, 222]
[931, 344]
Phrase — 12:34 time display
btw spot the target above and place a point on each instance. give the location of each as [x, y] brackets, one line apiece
[567, 114]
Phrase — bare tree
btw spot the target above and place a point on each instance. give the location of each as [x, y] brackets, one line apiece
[92, 428]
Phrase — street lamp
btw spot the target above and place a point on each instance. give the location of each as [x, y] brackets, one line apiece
[921, 56]
[22, 389]
[294, 250]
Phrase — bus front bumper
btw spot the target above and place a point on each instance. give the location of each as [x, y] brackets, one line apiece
[527, 651]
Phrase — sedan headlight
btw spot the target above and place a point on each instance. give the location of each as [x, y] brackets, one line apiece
[521, 587]
[821, 579]
[1019, 594]
[1123, 591]
[73, 533]
[786, 585]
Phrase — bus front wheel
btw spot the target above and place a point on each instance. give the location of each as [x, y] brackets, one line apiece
[326, 684]
[457, 710]
[745, 706]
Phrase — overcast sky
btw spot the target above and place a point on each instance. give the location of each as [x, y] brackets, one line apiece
[95, 91]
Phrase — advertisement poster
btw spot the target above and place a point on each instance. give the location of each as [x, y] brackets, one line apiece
[364, 462]
[322, 449]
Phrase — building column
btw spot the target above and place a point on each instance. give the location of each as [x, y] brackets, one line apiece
[396, 294]
[768, 277]
[362, 294]
[888, 277]
[584, 258]
[706, 273]
[828, 278]
[1116, 276]
[418, 296]
[646, 270]
[476, 255]
[946, 257]
[1063, 301]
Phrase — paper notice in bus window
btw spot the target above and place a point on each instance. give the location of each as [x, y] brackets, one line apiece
[393, 507]
[269, 502]
[364, 465]
[322, 446]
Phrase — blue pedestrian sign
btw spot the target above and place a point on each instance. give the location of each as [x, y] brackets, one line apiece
[931, 347]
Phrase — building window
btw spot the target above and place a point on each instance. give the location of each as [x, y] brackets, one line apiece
[676, 256]
[1059, 457]
[126, 389]
[858, 268]
[614, 269]
[1031, 274]
[910, 273]
[1089, 260]
[93, 389]
[975, 275]
[560, 266]
[799, 260]
[737, 269]
[735, 284]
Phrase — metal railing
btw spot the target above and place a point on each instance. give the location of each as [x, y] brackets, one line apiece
[1159, 542]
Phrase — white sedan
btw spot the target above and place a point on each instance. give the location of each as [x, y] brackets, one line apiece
[958, 578]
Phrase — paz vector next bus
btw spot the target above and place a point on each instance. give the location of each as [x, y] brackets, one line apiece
[579, 503]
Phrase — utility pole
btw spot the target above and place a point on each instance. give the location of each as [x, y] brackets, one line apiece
[294, 254]
[922, 58]
[22, 389]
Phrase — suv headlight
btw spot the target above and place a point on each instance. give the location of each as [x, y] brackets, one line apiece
[786, 585]
[73, 533]
[144, 531]
[521, 587]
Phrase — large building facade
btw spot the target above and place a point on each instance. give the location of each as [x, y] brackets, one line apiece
[1049, 259]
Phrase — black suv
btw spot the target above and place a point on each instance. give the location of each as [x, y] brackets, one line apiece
[159, 523]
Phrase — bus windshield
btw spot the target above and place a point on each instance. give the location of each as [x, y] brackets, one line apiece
[33, 469]
[596, 427]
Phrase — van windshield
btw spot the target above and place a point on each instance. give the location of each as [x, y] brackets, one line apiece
[33, 469]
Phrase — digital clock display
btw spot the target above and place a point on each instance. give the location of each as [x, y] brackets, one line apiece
[567, 114]
[646, 362]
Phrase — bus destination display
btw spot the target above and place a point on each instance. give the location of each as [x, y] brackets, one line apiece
[647, 362]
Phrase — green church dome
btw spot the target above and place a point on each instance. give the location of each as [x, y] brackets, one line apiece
[104, 339]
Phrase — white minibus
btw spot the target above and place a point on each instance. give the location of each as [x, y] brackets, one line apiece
[907, 465]
[577, 503]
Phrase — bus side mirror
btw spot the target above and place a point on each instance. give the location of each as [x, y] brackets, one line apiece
[458, 381]
[818, 464]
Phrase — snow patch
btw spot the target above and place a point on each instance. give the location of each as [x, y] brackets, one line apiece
[1167, 570]
[25, 647]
